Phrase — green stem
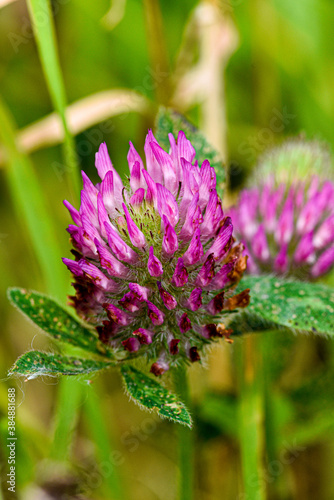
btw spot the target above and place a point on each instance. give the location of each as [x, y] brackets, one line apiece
[277, 487]
[186, 446]
[251, 415]
[104, 442]
[69, 398]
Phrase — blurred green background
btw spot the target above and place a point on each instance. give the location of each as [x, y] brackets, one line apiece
[249, 73]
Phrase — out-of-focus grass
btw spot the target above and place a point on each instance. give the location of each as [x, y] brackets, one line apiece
[278, 82]
[42, 22]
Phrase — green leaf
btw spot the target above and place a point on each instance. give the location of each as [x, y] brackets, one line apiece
[151, 395]
[36, 363]
[296, 305]
[169, 121]
[56, 321]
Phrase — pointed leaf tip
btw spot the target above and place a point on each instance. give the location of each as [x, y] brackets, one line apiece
[153, 396]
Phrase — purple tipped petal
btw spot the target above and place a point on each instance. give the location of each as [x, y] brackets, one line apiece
[102, 161]
[155, 315]
[180, 276]
[102, 216]
[185, 148]
[213, 216]
[167, 205]
[89, 188]
[269, 210]
[88, 209]
[222, 277]
[309, 216]
[195, 250]
[137, 238]
[108, 192]
[195, 299]
[170, 241]
[154, 265]
[90, 234]
[207, 272]
[305, 251]
[97, 276]
[189, 187]
[104, 165]
[325, 233]
[166, 164]
[152, 164]
[282, 261]
[168, 299]
[192, 221]
[76, 234]
[117, 315]
[248, 207]
[223, 240]
[285, 225]
[137, 179]
[113, 266]
[151, 194]
[131, 344]
[324, 263]
[137, 198]
[260, 244]
[184, 323]
[130, 302]
[144, 336]
[73, 212]
[208, 182]
[133, 158]
[73, 266]
[120, 249]
[141, 292]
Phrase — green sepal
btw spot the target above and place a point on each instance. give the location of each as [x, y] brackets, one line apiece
[151, 395]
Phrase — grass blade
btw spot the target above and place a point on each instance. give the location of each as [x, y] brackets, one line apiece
[69, 399]
[44, 30]
[29, 202]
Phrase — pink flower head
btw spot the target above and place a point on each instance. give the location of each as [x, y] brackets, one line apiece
[151, 255]
[287, 228]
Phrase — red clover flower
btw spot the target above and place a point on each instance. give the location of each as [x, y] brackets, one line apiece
[155, 260]
[288, 227]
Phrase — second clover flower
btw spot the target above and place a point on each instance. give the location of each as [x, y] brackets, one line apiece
[155, 260]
